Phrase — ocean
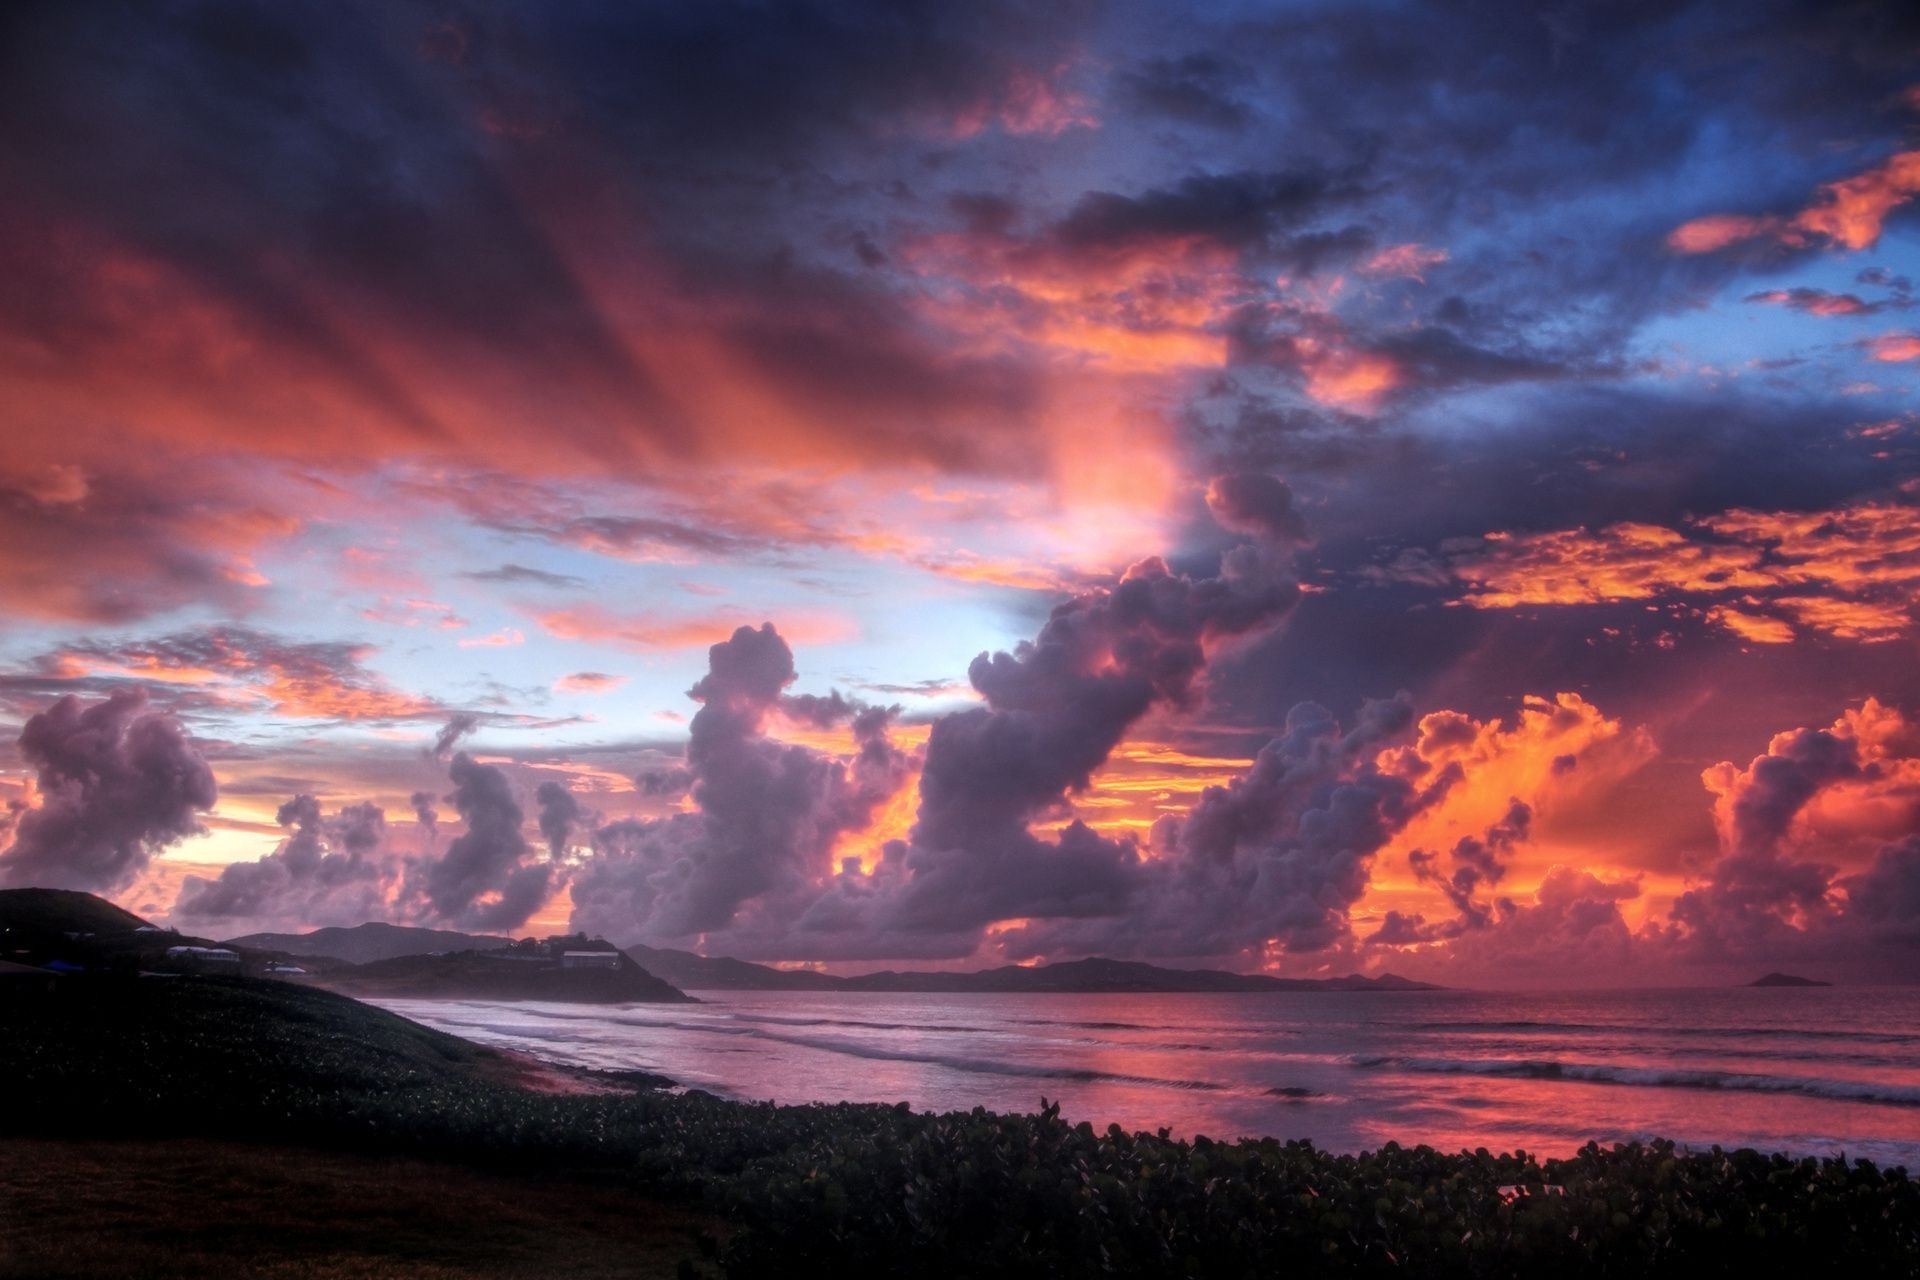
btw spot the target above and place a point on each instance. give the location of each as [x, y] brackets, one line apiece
[1810, 1071]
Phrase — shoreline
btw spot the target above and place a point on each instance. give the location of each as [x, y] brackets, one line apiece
[330, 1083]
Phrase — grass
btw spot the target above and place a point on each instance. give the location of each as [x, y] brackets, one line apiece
[106, 1209]
[877, 1190]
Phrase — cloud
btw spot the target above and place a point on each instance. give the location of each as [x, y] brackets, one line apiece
[1894, 348]
[1786, 822]
[1256, 503]
[485, 880]
[561, 813]
[519, 575]
[115, 784]
[1821, 302]
[649, 632]
[768, 813]
[588, 682]
[1847, 214]
[1848, 572]
[1199, 88]
[325, 680]
[328, 871]
[458, 726]
[1409, 260]
[425, 813]
[111, 544]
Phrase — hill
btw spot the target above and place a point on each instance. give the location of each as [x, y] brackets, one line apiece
[509, 973]
[33, 917]
[366, 943]
[1786, 980]
[696, 972]
[692, 971]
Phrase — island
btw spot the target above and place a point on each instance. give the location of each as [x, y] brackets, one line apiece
[696, 972]
[1786, 980]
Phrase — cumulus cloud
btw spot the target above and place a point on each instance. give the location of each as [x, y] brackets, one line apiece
[561, 813]
[425, 813]
[1256, 503]
[329, 870]
[486, 879]
[116, 782]
[768, 813]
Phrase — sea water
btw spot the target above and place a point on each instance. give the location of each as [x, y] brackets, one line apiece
[1811, 1071]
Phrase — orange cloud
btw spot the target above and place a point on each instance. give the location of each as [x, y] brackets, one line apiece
[595, 625]
[1851, 572]
[1555, 755]
[1848, 213]
[1346, 378]
[324, 681]
[1751, 626]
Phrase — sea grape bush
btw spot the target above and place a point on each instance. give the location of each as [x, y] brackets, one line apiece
[879, 1190]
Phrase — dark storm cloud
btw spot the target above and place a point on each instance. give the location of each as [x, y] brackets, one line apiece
[1256, 503]
[425, 813]
[1199, 88]
[561, 814]
[116, 783]
[1056, 707]
[1885, 900]
[322, 174]
[1237, 210]
[486, 879]
[1274, 861]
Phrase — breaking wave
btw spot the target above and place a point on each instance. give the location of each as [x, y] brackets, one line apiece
[1648, 1077]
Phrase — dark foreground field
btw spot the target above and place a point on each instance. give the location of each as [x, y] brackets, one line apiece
[105, 1209]
[355, 1114]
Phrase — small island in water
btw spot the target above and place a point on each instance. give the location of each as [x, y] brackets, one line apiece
[1786, 980]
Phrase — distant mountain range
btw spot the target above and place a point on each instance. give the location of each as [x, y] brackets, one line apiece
[690, 971]
[504, 974]
[377, 958]
[1787, 980]
[366, 943]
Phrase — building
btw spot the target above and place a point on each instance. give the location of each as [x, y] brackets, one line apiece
[589, 959]
[205, 959]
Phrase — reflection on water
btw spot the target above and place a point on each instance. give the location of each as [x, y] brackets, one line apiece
[1816, 1071]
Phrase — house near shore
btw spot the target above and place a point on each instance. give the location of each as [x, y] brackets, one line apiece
[205, 959]
[590, 959]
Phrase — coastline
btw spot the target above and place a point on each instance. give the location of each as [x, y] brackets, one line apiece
[876, 1189]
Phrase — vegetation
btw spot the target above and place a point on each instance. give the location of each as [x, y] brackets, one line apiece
[882, 1190]
[195, 1209]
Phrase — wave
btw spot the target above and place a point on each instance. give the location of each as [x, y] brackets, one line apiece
[1649, 1077]
[1654, 1029]
[877, 1052]
[863, 1024]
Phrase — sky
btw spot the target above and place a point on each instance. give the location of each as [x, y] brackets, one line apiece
[1313, 487]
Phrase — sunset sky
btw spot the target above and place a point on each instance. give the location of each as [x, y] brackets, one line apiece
[1439, 486]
